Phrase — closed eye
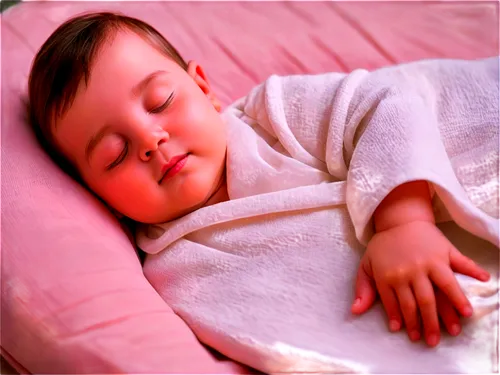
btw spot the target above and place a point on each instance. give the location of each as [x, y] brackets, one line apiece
[119, 159]
[164, 105]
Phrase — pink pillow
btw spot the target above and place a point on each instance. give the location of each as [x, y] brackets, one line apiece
[74, 299]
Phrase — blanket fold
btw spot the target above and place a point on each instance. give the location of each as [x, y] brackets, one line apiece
[267, 278]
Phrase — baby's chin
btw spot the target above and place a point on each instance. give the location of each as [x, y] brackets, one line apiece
[201, 199]
[198, 190]
[161, 217]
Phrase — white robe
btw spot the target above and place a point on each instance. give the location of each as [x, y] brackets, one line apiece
[267, 278]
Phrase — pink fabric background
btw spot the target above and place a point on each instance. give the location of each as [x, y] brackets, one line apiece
[74, 299]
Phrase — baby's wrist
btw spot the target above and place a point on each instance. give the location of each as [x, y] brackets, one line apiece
[407, 203]
[403, 223]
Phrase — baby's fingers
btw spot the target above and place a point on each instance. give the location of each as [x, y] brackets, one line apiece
[365, 291]
[391, 306]
[445, 280]
[466, 266]
[426, 300]
[410, 311]
[448, 314]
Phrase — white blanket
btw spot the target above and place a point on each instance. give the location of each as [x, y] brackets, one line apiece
[267, 278]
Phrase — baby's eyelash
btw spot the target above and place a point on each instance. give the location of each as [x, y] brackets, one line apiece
[119, 159]
[164, 105]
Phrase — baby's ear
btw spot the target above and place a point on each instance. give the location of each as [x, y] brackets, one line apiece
[196, 72]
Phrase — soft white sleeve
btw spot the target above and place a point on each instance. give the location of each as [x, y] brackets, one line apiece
[433, 120]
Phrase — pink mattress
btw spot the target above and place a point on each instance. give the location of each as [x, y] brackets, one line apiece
[242, 43]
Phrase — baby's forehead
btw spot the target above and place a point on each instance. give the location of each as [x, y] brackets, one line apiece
[120, 68]
[127, 46]
[126, 41]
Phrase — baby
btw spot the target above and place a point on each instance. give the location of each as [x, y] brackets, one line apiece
[119, 109]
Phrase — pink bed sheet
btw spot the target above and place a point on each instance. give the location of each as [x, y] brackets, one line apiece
[242, 43]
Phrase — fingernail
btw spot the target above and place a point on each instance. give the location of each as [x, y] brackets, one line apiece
[467, 311]
[455, 329]
[356, 301]
[414, 335]
[432, 340]
[394, 325]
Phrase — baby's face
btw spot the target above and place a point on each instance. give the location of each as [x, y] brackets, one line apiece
[140, 116]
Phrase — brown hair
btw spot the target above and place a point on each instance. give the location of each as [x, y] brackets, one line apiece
[65, 60]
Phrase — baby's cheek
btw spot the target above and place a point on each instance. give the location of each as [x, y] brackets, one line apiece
[125, 186]
[193, 111]
[200, 184]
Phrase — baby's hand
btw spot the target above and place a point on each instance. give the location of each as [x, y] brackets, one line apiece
[405, 263]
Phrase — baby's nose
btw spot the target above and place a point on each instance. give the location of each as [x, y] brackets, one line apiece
[151, 143]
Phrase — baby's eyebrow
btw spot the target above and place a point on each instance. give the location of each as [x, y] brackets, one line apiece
[94, 141]
[137, 89]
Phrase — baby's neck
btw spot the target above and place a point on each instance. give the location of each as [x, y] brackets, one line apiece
[220, 194]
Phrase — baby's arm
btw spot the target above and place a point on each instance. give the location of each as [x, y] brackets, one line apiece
[408, 202]
[406, 259]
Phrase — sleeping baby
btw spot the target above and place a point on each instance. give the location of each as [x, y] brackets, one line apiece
[270, 225]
